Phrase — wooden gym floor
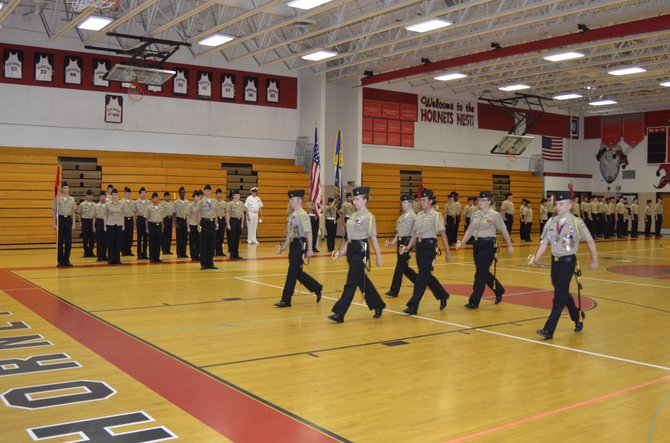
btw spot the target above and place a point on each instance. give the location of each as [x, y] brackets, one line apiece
[203, 356]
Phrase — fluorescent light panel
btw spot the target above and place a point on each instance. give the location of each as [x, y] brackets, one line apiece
[602, 102]
[627, 71]
[429, 25]
[306, 4]
[319, 55]
[514, 88]
[567, 96]
[94, 23]
[452, 76]
[563, 56]
[666, 84]
[215, 40]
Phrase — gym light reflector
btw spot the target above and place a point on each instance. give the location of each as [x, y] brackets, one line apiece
[452, 76]
[602, 102]
[627, 71]
[514, 88]
[563, 56]
[215, 40]
[567, 96]
[319, 55]
[429, 25]
[306, 4]
[94, 23]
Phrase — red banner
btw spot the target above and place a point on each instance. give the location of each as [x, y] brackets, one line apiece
[372, 108]
[394, 126]
[379, 125]
[391, 110]
[393, 139]
[633, 129]
[611, 130]
[408, 112]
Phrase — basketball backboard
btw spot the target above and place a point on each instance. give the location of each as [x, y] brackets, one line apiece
[512, 144]
[146, 76]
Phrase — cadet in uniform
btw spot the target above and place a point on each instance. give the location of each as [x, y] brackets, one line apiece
[168, 217]
[450, 217]
[458, 216]
[468, 212]
[331, 223]
[64, 208]
[485, 223]
[193, 235]
[527, 220]
[254, 207]
[403, 227]
[620, 218]
[634, 215]
[427, 225]
[86, 211]
[576, 209]
[610, 214]
[507, 212]
[563, 232]
[234, 224]
[181, 206]
[658, 209]
[298, 238]
[129, 211]
[154, 216]
[207, 227]
[114, 227]
[99, 227]
[221, 222]
[586, 215]
[544, 215]
[361, 226]
[141, 205]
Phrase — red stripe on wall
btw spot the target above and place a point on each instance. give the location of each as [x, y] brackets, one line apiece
[495, 118]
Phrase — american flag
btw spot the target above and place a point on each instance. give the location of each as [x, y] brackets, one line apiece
[552, 148]
[315, 179]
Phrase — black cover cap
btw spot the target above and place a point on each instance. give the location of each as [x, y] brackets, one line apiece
[89, 192]
[427, 193]
[331, 199]
[166, 194]
[114, 191]
[563, 195]
[219, 191]
[485, 194]
[406, 197]
[208, 187]
[142, 189]
[181, 188]
[472, 199]
[64, 184]
[126, 189]
[235, 191]
[154, 195]
[361, 190]
[103, 193]
[110, 186]
[296, 193]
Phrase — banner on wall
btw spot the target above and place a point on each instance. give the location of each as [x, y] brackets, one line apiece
[611, 130]
[450, 112]
[633, 129]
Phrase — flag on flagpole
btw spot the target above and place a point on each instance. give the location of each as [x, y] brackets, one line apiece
[418, 191]
[552, 148]
[338, 161]
[315, 179]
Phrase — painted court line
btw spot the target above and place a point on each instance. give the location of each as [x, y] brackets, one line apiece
[557, 411]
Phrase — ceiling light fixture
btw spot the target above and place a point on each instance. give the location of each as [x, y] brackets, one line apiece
[319, 55]
[513, 88]
[306, 4]
[567, 96]
[94, 23]
[452, 76]
[563, 56]
[627, 71]
[429, 25]
[602, 102]
[215, 40]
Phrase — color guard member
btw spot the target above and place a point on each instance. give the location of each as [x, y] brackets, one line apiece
[361, 226]
[99, 227]
[129, 211]
[634, 214]
[64, 208]
[168, 217]
[331, 223]
[141, 205]
[485, 223]
[428, 224]
[234, 224]
[86, 211]
[507, 212]
[314, 222]
[221, 222]
[181, 206]
[347, 209]
[154, 216]
[114, 227]
[563, 232]
[192, 229]
[298, 238]
[403, 227]
[658, 209]
[207, 227]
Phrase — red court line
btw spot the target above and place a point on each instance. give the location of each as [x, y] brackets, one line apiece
[234, 414]
[557, 411]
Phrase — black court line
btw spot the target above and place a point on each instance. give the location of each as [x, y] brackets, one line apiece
[360, 345]
[168, 305]
[196, 368]
[630, 303]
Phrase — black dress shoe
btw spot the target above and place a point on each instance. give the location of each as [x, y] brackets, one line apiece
[471, 306]
[410, 311]
[336, 318]
[544, 333]
[499, 293]
[318, 294]
[283, 304]
[579, 325]
[213, 267]
[378, 312]
[390, 294]
[130, 254]
[443, 303]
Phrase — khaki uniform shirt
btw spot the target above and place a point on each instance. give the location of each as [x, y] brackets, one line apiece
[450, 209]
[428, 224]
[99, 211]
[86, 210]
[507, 207]
[207, 208]
[550, 207]
[299, 224]
[576, 209]
[485, 224]
[586, 207]
[235, 208]
[154, 214]
[634, 209]
[469, 211]
[595, 208]
[659, 208]
[405, 223]
[564, 237]
[181, 208]
[609, 209]
[331, 213]
[458, 209]
[128, 207]
[168, 208]
[361, 225]
[190, 215]
[66, 206]
[620, 208]
[527, 213]
[141, 206]
[348, 209]
[544, 214]
[221, 208]
[114, 211]
[647, 210]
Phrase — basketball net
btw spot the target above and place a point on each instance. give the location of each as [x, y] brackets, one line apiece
[511, 157]
[80, 5]
[135, 91]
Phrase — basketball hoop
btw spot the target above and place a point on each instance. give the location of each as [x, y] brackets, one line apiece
[80, 5]
[135, 91]
[511, 157]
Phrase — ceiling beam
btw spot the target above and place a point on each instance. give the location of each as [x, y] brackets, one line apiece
[8, 8]
[185, 16]
[121, 20]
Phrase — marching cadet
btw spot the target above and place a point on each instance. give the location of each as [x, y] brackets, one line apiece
[361, 226]
[234, 224]
[576, 209]
[129, 211]
[298, 238]
[347, 209]
[168, 217]
[450, 217]
[207, 227]
[428, 224]
[563, 232]
[154, 216]
[114, 227]
[181, 229]
[507, 212]
[314, 222]
[544, 215]
[485, 223]
[99, 227]
[220, 205]
[620, 218]
[634, 218]
[192, 229]
[141, 205]
[64, 208]
[331, 223]
[254, 209]
[403, 227]
[658, 210]
[85, 211]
